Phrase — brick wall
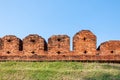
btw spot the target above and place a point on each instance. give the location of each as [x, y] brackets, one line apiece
[35, 48]
[59, 44]
[34, 44]
[110, 47]
[84, 42]
[1, 44]
[11, 45]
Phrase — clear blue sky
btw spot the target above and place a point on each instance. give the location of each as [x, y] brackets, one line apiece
[48, 17]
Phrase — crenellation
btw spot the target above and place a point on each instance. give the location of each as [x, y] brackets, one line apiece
[59, 44]
[110, 47]
[35, 48]
[34, 44]
[11, 45]
[84, 43]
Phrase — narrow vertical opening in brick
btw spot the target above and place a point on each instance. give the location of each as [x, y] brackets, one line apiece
[85, 52]
[84, 39]
[33, 52]
[45, 46]
[32, 40]
[58, 52]
[20, 45]
[8, 52]
[111, 51]
[58, 39]
[9, 40]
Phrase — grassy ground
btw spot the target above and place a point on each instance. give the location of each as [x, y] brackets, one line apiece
[59, 71]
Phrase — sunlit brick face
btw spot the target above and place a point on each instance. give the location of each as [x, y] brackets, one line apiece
[110, 48]
[84, 42]
[11, 44]
[34, 44]
[59, 44]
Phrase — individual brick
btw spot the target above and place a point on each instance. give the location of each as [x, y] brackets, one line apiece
[110, 47]
[34, 44]
[59, 44]
[84, 42]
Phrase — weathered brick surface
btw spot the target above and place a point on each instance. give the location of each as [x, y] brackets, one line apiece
[11, 45]
[1, 44]
[34, 48]
[110, 48]
[34, 44]
[84, 42]
[59, 44]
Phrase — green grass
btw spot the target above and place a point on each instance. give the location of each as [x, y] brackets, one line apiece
[59, 71]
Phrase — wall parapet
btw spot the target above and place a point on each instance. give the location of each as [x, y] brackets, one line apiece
[35, 48]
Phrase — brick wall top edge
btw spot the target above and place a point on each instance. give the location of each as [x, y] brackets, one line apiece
[33, 36]
[10, 37]
[111, 44]
[110, 41]
[53, 36]
[85, 33]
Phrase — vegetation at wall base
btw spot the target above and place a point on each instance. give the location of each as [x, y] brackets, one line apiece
[12, 70]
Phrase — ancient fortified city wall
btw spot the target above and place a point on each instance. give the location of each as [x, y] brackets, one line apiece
[35, 48]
